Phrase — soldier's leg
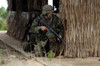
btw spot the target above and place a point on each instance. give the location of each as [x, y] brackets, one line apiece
[52, 41]
[28, 46]
[39, 48]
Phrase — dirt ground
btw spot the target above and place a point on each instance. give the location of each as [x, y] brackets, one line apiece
[11, 57]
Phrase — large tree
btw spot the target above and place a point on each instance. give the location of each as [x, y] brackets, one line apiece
[81, 19]
[18, 11]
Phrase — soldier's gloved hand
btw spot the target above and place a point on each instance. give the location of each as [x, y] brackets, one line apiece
[58, 38]
[29, 31]
[43, 28]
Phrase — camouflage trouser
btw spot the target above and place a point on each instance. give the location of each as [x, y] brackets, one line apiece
[39, 48]
[52, 41]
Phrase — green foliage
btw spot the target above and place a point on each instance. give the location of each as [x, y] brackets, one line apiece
[3, 25]
[3, 15]
[50, 55]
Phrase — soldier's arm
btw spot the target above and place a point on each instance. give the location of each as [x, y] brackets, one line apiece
[60, 28]
[35, 27]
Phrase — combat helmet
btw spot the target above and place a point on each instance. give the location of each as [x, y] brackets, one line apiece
[47, 9]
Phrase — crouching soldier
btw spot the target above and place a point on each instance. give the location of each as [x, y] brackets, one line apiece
[43, 36]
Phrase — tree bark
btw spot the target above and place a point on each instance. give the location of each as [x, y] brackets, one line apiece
[18, 15]
[81, 19]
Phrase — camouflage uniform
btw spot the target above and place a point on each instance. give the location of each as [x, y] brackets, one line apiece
[46, 37]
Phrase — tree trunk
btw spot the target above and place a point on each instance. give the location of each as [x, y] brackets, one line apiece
[81, 19]
[18, 15]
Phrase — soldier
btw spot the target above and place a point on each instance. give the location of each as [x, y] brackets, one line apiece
[43, 35]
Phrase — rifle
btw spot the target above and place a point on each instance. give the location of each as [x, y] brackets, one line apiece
[50, 29]
[32, 15]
